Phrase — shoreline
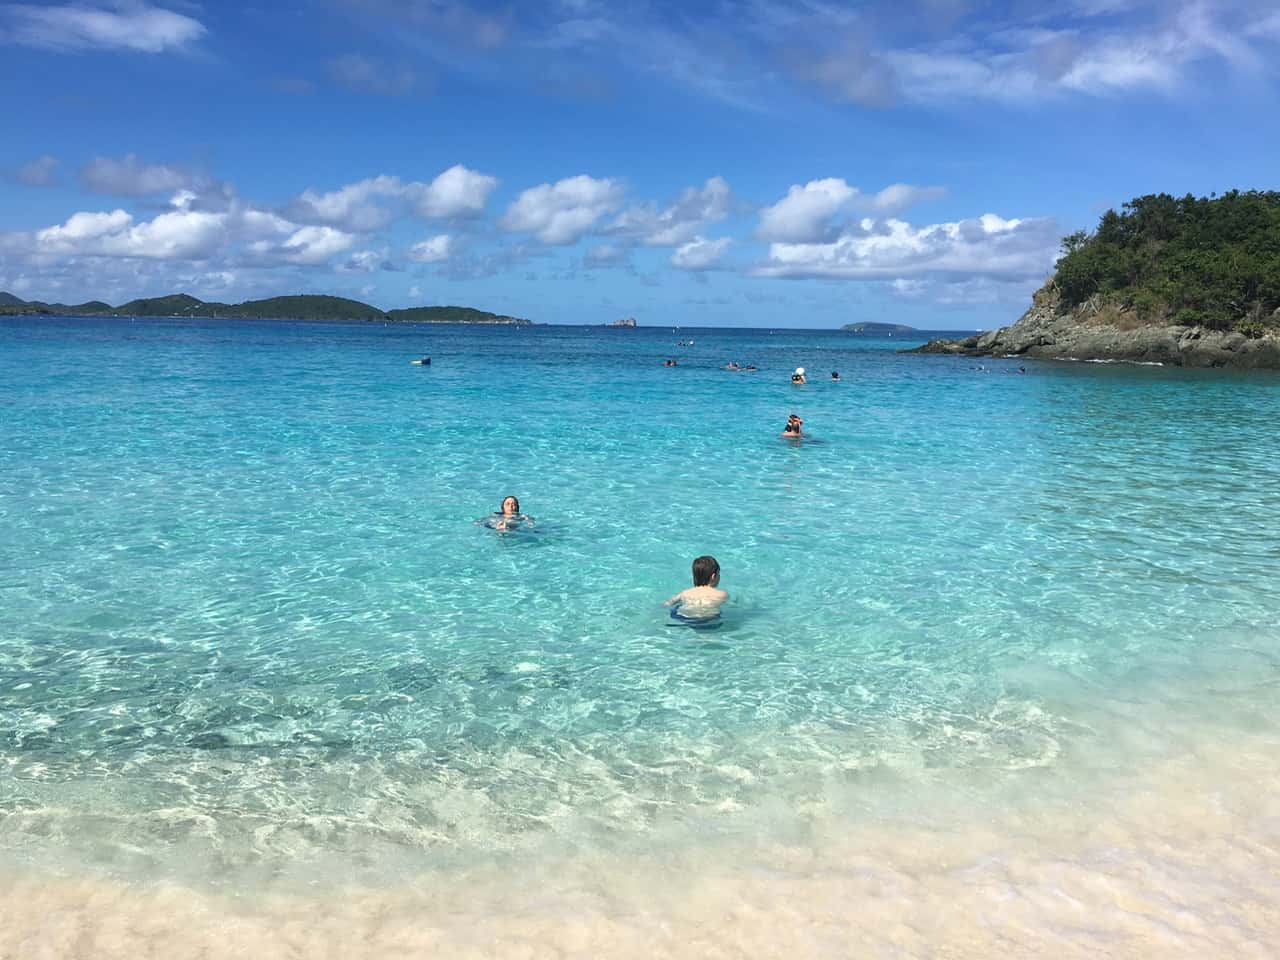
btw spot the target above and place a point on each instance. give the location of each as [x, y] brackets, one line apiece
[1177, 859]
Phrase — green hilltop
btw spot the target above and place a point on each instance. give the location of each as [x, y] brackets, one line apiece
[302, 307]
[1208, 261]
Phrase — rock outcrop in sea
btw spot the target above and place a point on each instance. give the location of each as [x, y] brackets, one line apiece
[1097, 332]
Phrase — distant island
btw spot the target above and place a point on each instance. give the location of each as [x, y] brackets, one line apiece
[872, 329]
[628, 322]
[302, 307]
[1190, 281]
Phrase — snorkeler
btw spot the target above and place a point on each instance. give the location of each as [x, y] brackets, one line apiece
[508, 517]
[794, 428]
[797, 378]
[701, 602]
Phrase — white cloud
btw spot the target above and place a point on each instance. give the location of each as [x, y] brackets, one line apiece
[700, 253]
[805, 213]
[177, 234]
[681, 220]
[561, 213]
[362, 207]
[128, 177]
[365, 261]
[458, 192]
[432, 250]
[40, 172]
[122, 26]
[352, 207]
[313, 245]
[987, 245]
[899, 196]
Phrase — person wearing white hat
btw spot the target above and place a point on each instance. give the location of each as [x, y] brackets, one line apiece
[798, 377]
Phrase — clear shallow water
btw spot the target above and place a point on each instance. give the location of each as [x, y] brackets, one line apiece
[247, 622]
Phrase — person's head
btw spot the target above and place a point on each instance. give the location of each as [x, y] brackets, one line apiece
[835, 374]
[706, 572]
[510, 506]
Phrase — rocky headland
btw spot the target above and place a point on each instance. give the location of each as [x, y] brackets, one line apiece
[1191, 282]
[1045, 332]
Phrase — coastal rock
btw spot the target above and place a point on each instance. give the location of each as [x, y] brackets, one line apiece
[1043, 333]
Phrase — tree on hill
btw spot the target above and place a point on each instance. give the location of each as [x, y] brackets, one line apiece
[1213, 261]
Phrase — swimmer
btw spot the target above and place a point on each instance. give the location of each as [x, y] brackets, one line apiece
[701, 602]
[750, 368]
[508, 517]
[669, 363]
[797, 378]
[424, 362]
[731, 365]
[794, 429]
[835, 376]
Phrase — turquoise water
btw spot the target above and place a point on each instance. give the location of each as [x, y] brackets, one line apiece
[247, 618]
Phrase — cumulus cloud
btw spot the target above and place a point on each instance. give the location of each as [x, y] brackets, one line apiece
[363, 206]
[700, 253]
[432, 250]
[806, 213]
[679, 221]
[561, 213]
[987, 245]
[364, 75]
[177, 234]
[123, 26]
[354, 207]
[367, 261]
[458, 192]
[40, 172]
[314, 245]
[129, 177]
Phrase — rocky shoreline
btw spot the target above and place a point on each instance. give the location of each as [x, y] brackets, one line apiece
[1044, 333]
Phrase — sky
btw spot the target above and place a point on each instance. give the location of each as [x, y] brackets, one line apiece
[790, 163]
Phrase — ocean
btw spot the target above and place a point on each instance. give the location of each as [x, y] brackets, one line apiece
[997, 673]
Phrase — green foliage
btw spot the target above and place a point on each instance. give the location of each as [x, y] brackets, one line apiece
[1206, 260]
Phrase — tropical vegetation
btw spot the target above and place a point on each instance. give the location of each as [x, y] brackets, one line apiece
[1210, 261]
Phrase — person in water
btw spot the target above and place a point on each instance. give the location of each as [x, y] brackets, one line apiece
[702, 601]
[669, 363]
[835, 376]
[509, 516]
[797, 378]
[794, 427]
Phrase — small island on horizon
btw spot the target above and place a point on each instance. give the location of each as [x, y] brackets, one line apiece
[302, 307]
[870, 328]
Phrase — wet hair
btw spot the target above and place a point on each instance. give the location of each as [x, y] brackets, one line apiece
[704, 568]
[509, 497]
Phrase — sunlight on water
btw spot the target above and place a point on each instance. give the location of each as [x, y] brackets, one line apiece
[251, 634]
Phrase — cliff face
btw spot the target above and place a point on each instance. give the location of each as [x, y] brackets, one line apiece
[1045, 333]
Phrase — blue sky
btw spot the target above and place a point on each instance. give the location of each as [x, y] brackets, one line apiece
[776, 163]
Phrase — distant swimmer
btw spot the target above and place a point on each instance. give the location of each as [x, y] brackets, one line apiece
[508, 517]
[700, 604]
[797, 378]
[731, 365]
[794, 429]
[750, 368]
[424, 362]
[835, 376]
[669, 363]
